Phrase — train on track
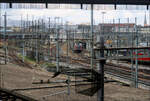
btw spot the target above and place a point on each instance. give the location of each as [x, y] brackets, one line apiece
[79, 46]
[143, 55]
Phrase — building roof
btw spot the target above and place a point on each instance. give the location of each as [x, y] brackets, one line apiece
[117, 24]
[133, 2]
[144, 26]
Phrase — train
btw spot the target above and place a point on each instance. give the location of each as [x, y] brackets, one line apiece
[79, 46]
[143, 55]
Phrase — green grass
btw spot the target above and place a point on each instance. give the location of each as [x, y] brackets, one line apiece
[33, 61]
[27, 59]
[48, 65]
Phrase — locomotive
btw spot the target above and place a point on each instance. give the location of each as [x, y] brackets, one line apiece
[79, 46]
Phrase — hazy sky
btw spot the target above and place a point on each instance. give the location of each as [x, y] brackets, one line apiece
[77, 16]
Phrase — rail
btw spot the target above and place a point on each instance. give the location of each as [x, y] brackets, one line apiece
[6, 95]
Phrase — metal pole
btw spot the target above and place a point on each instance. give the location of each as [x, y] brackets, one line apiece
[27, 23]
[68, 40]
[119, 34]
[21, 24]
[57, 45]
[118, 41]
[23, 42]
[37, 56]
[149, 30]
[5, 28]
[132, 62]
[128, 37]
[103, 17]
[0, 66]
[41, 39]
[100, 93]
[23, 48]
[92, 36]
[74, 36]
[136, 62]
[49, 39]
[113, 44]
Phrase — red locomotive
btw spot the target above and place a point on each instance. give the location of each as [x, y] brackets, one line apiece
[78, 47]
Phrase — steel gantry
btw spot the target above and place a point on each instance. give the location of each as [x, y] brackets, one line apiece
[115, 2]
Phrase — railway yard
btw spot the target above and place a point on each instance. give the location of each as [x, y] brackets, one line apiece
[19, 79]
[33, 76]
[88, 53]
[18, 76]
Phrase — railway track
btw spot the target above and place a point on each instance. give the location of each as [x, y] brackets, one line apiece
[113, 69]
[3, 58]
[127, 74]
[8, 95]
[12, 57]
[17, 60]
[118, 71]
